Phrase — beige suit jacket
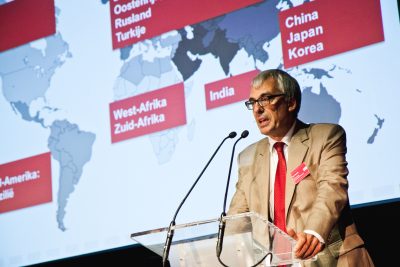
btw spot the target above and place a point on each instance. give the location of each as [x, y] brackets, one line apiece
[319, 202]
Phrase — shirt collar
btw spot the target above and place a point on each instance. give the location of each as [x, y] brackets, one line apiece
[285, 139]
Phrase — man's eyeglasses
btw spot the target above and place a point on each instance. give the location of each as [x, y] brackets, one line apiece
[263, 101]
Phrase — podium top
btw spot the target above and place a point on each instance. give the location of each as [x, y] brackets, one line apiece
[248, 239]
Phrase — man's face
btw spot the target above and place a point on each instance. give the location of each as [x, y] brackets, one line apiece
[276, 118]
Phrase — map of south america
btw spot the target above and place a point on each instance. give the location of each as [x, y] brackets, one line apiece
[72, 148]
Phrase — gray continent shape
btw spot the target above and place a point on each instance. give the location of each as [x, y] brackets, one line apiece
[26, 73]
[72, 148]
[321, 107]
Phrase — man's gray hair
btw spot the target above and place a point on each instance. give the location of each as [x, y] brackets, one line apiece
[286, 84]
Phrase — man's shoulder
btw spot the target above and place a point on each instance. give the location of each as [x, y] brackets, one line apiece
[325, 131]
[325, 127]
[254, 148]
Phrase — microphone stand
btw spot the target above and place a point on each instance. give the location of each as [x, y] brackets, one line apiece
[222, 223]
[170, 233]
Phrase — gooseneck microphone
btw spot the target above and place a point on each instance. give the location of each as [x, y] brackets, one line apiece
[170, 233]
[221, 229]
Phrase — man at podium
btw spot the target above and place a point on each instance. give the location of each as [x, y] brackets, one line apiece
[297, 176]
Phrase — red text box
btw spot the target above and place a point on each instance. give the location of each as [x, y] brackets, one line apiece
[133, 20]
[25, 182]
[147, 113]
[323, 28]
[229, 90]
[23, 21]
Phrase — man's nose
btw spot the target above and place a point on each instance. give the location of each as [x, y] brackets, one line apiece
[258, 108]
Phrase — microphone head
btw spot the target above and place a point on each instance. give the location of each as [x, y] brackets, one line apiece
[244, 134]
[232, 135]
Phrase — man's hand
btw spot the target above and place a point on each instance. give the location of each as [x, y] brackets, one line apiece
[307, 245]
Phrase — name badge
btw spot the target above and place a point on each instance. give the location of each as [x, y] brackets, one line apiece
[299, 173]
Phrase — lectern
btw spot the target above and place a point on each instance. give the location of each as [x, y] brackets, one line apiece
[249, 240]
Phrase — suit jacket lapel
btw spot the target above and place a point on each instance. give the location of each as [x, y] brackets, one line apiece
[261, 174]
[297, 150]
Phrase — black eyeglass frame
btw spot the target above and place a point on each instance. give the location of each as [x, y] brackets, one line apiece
[263, 98]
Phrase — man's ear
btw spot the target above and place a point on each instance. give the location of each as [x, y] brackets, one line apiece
[292, 104]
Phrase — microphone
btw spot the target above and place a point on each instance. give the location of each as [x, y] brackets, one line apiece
[221, 229]
[170, 233]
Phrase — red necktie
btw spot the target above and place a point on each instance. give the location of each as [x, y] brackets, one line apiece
[279, 189]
